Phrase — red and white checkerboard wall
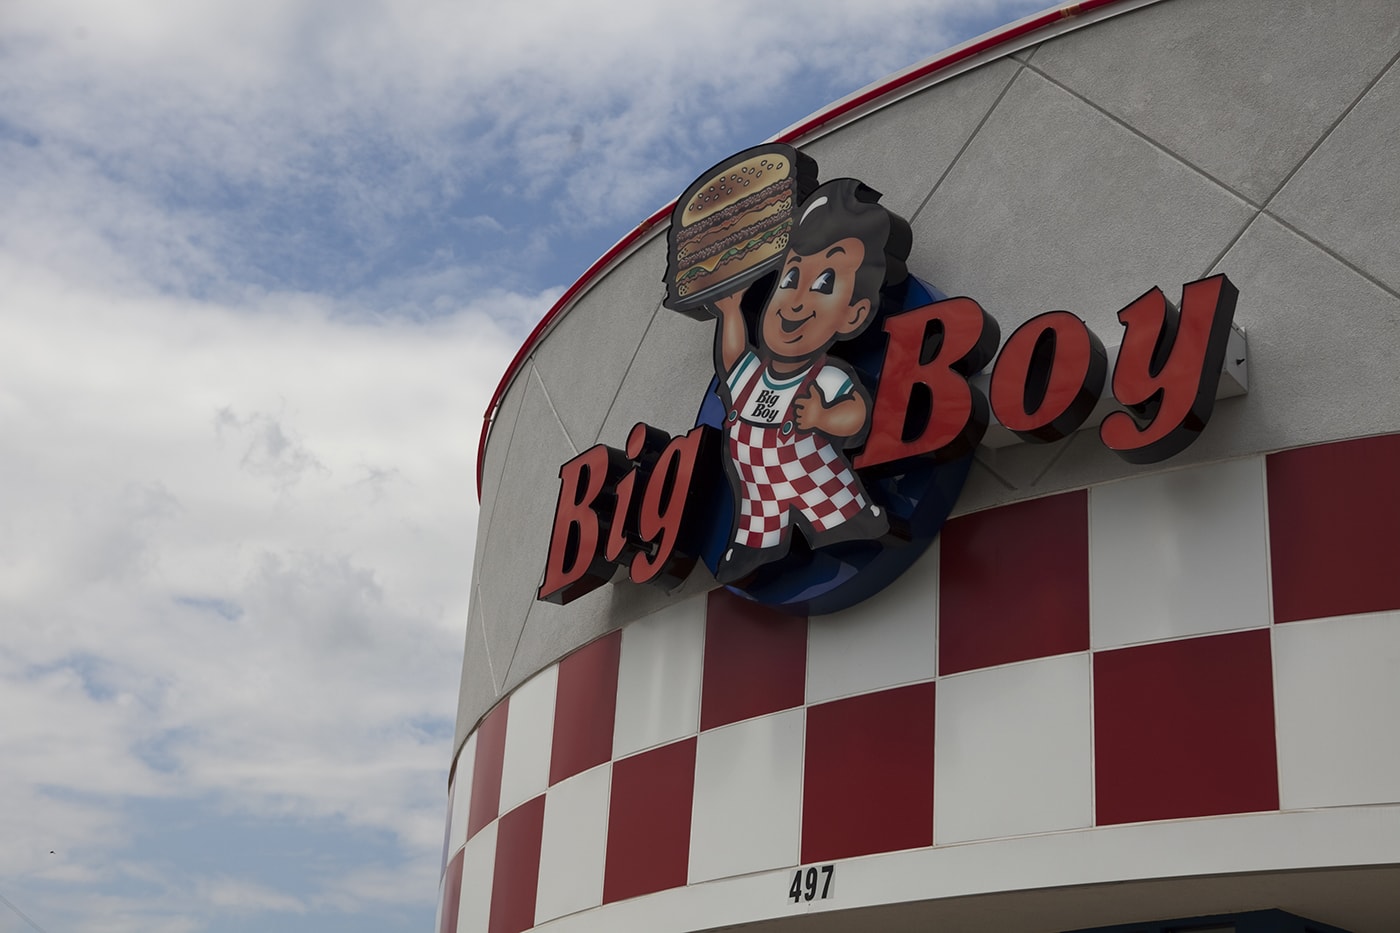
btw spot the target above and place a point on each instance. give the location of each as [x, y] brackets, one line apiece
[1223, 639]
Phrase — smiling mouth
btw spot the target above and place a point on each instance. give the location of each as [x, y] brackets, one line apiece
[790, 326]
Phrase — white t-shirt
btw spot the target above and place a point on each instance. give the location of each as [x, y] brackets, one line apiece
[771, 399]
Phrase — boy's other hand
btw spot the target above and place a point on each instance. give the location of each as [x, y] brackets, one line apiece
[810, 411]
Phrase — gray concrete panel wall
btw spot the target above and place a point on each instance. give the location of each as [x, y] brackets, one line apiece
[583, 362]
[1252, 137]
[905, 150]
[1241, 91]
[1055, 206]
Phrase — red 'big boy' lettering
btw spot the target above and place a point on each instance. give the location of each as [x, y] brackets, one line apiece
[661, 520]
[644, 447]
[575, 565]
[640, 509]
[924, 404]
[649, 508]
[1048, 377]
[1168, 369]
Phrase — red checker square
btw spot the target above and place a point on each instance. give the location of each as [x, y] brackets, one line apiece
[868, 774]
[485, 804]
[1014, 583]
[585, 707]
[1334, 528]
[649, 822]
[517, 871]
[1185, 729]
[452, 893]
[755, 660]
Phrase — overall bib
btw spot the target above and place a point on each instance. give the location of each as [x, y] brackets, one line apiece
[781, 469]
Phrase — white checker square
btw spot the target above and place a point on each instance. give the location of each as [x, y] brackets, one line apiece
[573, 846]
[529, 739]
[461, 797]
[1012, 750]
[1178, 554]
[822, 475]
[658, 678]
[1336, 692]
[478, 876]
[746, 815]
[888, 640]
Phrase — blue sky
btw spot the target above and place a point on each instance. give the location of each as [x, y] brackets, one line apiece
[261, 264]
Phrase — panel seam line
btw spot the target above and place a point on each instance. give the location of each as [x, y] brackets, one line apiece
[1155, 144]
[1021, 66]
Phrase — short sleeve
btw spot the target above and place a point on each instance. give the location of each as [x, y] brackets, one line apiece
[834, 383]
[742, 372]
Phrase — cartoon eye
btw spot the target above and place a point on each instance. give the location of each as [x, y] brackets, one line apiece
[789, 279]
[824, 282]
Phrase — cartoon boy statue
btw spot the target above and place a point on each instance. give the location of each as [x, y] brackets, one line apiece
[791, 410]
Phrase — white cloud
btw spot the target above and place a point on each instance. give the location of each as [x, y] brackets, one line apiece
[242, 897]
[367, 114]
[272, 450]
[233, 564]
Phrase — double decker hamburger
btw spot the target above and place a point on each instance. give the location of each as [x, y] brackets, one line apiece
[733, 224]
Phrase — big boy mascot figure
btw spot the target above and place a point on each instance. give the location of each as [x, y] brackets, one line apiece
[790, 408]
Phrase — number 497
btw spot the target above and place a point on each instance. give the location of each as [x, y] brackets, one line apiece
[811, 883]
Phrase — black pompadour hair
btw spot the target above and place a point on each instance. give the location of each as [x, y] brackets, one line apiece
[845, 208]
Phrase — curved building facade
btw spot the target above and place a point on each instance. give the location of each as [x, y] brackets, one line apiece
[1138, 696]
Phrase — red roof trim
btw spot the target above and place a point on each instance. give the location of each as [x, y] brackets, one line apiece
[991, 40]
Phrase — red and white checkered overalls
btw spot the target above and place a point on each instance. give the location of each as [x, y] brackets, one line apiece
[781, 469]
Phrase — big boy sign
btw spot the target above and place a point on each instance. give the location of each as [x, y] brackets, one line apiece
[840, 425]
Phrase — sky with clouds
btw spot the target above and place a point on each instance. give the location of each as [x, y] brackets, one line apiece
[261, 264]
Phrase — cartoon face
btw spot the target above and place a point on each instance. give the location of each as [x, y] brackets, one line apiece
[811, 305]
